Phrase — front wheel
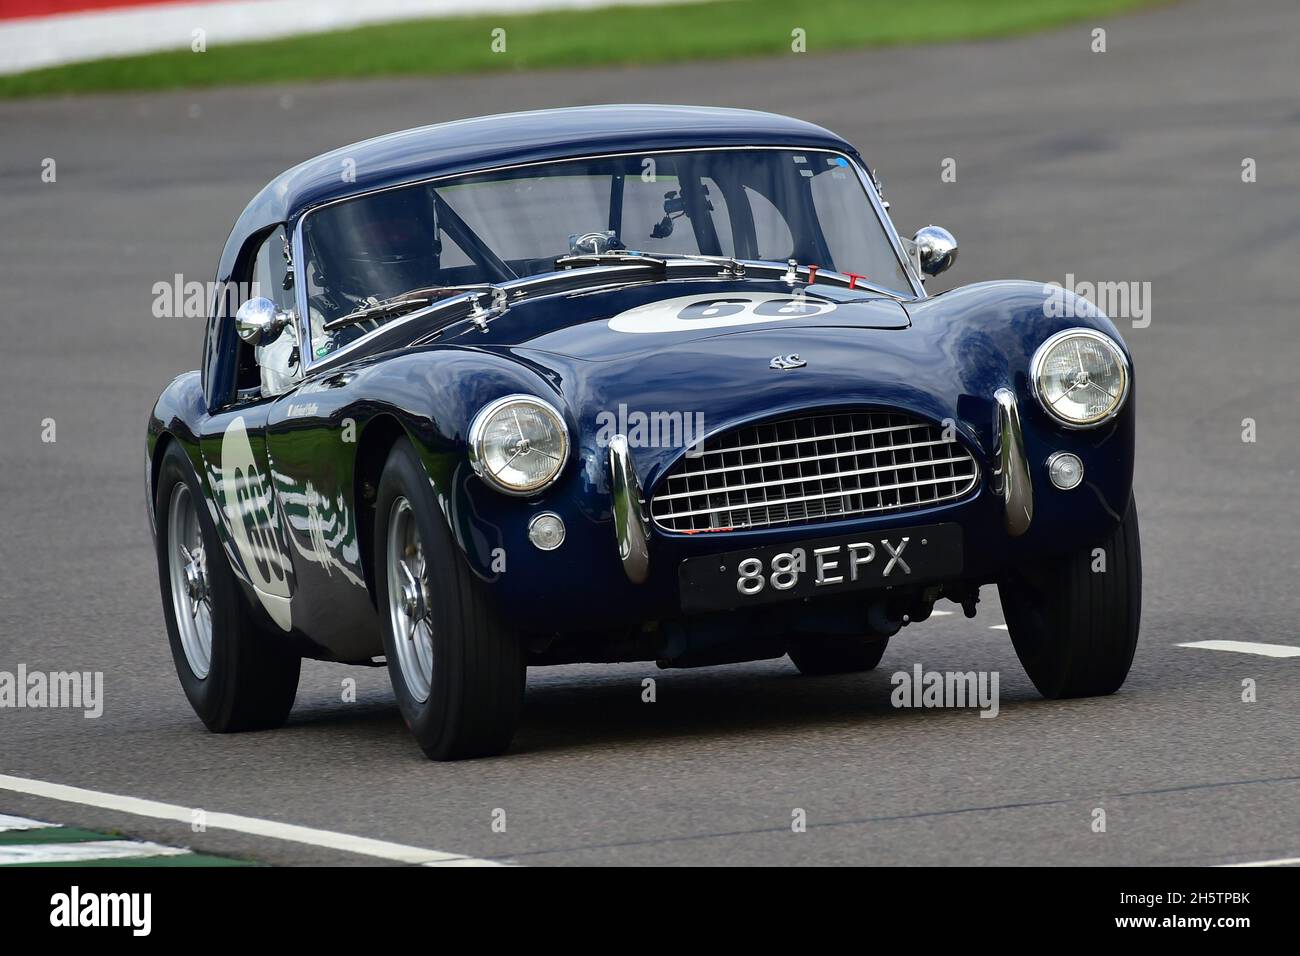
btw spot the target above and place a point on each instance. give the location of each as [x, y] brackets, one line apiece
[457, 672]
[1074, 620]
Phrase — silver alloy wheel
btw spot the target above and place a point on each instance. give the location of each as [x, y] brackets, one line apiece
[188, 568]
[409, 609]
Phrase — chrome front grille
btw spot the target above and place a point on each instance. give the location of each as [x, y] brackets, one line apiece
[812, 469]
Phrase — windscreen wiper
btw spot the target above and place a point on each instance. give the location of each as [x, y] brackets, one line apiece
[587, 260]
[728, 266]
[633, 264]
[408, 301]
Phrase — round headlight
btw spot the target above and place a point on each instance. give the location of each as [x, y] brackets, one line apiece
[1080, 377]
[518, 444]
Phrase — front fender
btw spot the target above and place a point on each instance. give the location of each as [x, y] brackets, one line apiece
[993, 329]
[327, 439]
[176, 413]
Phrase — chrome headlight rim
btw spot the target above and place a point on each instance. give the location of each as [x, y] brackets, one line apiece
[475, 438]
[1036, 369]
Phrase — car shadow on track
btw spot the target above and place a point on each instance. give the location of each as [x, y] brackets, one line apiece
[568, 709]
[750, 701]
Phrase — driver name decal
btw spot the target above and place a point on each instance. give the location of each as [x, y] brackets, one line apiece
[690, 313]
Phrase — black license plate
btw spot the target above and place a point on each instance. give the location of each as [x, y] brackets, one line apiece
[820, 566]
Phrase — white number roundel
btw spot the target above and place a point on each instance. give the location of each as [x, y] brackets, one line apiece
[249, 506]
[688, 313]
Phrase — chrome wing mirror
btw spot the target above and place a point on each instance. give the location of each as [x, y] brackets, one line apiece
[258, 321]
[936, 249]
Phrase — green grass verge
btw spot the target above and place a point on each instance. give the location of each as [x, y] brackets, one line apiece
[189, 860]
[53, 835]
[57, 834]
[717, 30]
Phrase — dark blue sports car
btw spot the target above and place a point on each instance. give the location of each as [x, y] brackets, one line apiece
[623, 383]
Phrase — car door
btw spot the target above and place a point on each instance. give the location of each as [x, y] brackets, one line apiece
[239, 470]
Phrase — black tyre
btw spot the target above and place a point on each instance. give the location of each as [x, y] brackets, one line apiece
[236, 676]
[1075, 628]
[833, 654]
[458, 674]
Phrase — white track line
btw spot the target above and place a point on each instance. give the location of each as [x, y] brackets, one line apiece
[16, 853]
[1246, 647]
[463, 861]
[8, 823]
[382, 849]
[1287, 861]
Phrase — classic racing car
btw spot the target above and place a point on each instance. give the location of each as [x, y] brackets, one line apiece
[623, 383]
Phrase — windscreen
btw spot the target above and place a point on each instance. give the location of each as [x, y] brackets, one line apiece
[770, 204]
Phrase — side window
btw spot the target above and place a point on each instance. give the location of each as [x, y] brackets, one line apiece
[269, 268]
[278, 361]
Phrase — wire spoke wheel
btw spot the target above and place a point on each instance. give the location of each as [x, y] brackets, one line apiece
[409, 608]
[188, 568]
[457, 672]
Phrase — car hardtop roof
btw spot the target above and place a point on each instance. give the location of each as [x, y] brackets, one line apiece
[510, 139]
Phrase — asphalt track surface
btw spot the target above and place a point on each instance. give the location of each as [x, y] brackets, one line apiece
[1115, 166]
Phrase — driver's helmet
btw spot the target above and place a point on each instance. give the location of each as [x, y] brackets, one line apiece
[380, 245]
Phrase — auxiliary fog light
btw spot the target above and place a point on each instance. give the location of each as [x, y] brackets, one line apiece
[1065, 469]
[546, 531]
